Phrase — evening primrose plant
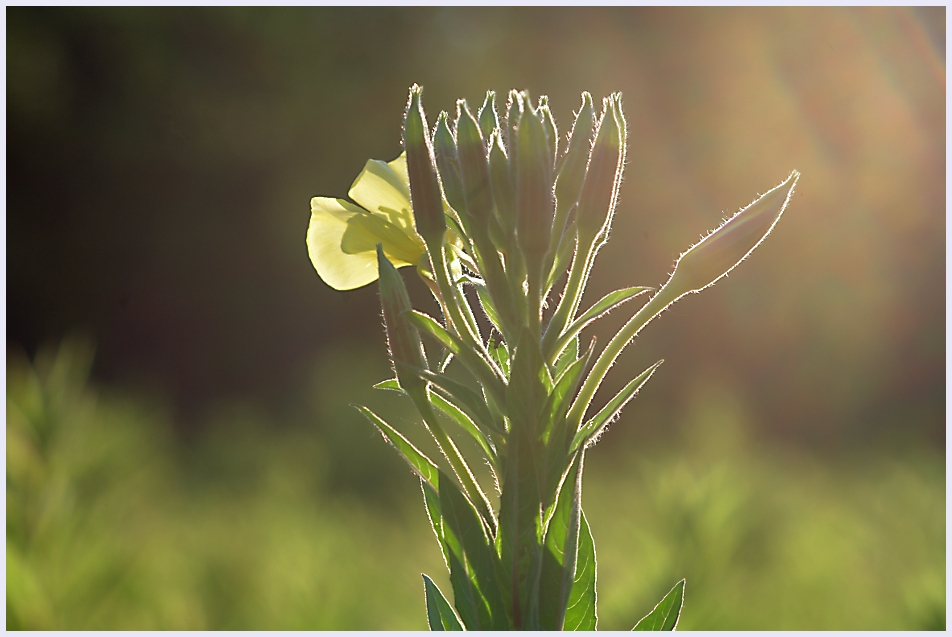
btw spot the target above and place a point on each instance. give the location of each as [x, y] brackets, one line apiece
[497, 204]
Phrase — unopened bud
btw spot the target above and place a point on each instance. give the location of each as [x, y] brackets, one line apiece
[503, 193]
[513, 114]
[534, 194]
[404, 340]
[551, 131]
[447, 162]
[425, 195]
[568, 183]
[488, 119]
[474, 169]
[599, 194]
[720, 251]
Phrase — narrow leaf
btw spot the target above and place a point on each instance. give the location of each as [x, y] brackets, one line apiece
[561, 545]
[391, 385]
[464, 421]
[421, 465]
[666, 614]
[471, 359]
[489, 307]
[580, 612]
[593, 428]
[568, 356]
[439, 613]
[467, 399]
[432, 501]
[472, 561]
[600, 309]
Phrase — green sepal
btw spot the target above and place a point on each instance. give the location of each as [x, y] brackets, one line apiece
[472, 562]
[477, 365]
[439, 613]
[666, 614]
[463, 420]
[605, 305]
[580, 610]
[592, 429]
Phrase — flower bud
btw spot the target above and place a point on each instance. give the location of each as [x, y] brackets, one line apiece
[720, 251]
[503, 194]
[404, 340]
[534, 194]
[600, 189]
[513, 113]
[488, 120]
[447, 163]
[568, 183]
[474, 169]
[548, 122]
[425, 196]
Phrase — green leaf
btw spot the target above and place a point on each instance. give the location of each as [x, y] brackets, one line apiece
[421, 465]
[390, 385]
[568, 356]
[580, 613]
[666, 614]
[439, 613]
[464, 421]
[488, 307]
[561, 547]
[473, 361]
[594, 427]
[529, 384]
[432, 501]
[603, 307]
[472, 561]
[467, 399]
[500, 353]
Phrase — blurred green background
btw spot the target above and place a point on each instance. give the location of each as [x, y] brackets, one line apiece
[181, 452]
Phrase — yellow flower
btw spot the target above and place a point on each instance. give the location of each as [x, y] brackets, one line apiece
[342, 237]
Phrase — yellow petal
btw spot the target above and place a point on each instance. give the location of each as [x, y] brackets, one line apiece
[383, 189]
[341, 242]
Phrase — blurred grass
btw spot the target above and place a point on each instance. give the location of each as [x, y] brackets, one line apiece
[113, 523]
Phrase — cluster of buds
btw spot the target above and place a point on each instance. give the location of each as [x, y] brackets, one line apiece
[497, 204]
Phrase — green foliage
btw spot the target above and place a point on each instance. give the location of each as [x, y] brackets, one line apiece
[665, 615]
[112, 524]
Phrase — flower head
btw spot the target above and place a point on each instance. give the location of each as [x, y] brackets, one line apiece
[342, 237]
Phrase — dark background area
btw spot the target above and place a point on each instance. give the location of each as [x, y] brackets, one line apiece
[160, 163]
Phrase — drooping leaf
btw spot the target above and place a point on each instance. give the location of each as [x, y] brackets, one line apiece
[421, 465]
[666, 614]
[606, 304]
[464, 421]
[580, 612]
[592, 429]
[472, 561]
[439, 613]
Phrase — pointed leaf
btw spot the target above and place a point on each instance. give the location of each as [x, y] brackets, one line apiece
[666, 614]
[591, 430]
[580, 613]
[561, 547]
[421, 465]
[439, 613]
[488, 307]
[472, 561]
[432, 501]
[390, 385]
[467, 399]
[464, 421]
[600, 309]
[471, 359]
[568, 356]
